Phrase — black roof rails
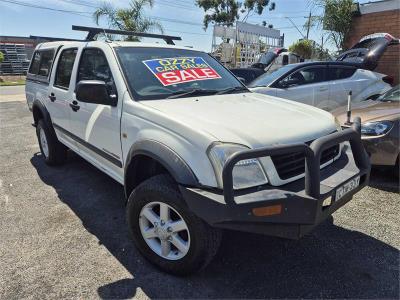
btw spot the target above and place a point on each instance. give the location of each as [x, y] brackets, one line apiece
[93, 31]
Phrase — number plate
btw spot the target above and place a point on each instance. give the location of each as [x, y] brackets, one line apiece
[347, 187]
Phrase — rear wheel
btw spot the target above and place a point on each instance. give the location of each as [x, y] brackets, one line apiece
[53, 151]
[166, 232]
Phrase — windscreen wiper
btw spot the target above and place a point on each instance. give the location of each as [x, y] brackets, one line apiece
[232, 89]
[193, 92]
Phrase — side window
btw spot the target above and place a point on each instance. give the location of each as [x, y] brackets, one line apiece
[64, 68]
[337, 73]
[42, 61]
[46, 60]
[94, 66]
[306, 76]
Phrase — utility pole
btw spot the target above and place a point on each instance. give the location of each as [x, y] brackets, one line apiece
[308, 25]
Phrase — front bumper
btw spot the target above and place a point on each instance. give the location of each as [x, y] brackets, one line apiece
[304, 203]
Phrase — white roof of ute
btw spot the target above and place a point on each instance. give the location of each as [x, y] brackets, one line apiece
[53, 44]
[115, 44]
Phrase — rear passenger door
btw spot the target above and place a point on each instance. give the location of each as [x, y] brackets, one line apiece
[60, 93]
[341, 83]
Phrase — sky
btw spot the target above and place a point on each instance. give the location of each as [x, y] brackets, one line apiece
[178, 17]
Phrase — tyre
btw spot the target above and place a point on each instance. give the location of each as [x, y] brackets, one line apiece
[53, 151]
[166, 232]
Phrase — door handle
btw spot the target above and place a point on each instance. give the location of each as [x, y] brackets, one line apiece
[322, 89]
[52, 97]
[74, 105]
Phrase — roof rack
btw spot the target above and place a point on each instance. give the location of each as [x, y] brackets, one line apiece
[93, 31]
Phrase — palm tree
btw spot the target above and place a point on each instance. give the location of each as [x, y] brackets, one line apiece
[131, 18]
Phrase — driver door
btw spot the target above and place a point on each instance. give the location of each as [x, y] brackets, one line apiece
[308, 85]
[97, 126]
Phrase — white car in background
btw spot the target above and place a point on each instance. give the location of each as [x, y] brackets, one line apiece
[326, 84]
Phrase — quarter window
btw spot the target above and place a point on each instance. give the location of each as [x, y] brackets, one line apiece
[336, 73]
[64, 68]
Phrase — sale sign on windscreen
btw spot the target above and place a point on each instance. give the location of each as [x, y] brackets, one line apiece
[177, 70]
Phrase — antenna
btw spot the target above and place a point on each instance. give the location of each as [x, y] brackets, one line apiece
[93, 31]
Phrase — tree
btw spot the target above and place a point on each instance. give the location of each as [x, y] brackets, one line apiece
[336, 20]
[1, 57]
[304, 48]
[131, 18]
[226, 12]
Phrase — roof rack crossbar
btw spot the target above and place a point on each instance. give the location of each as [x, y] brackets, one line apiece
[93, 31]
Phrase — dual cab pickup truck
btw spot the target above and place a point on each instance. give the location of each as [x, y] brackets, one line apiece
[195, 150]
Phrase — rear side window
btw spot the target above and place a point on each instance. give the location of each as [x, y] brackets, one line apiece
[42, 61]
[64, 68]
[46, 60]
[340, 73]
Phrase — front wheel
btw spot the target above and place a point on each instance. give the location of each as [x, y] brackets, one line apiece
[166, 232]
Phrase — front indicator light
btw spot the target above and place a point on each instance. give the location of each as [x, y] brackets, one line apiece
[267, 210]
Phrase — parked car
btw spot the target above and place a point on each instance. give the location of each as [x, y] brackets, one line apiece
[327, 84]
[195, 151]
[380, 128]
[268, 62]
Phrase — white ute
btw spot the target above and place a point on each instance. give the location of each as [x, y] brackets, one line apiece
[195, 150]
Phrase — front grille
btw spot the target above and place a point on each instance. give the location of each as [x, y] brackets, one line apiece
[293, 164]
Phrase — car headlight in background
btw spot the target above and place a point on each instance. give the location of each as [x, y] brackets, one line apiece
[376, 128]
[246, 173]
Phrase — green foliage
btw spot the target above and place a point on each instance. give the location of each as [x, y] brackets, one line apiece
[1, 57]
[131, 18]
[304, 48]
[336, 20]
[226, 12]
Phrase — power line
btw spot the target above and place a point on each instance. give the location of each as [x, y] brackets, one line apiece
[81, 3]
[78, 13]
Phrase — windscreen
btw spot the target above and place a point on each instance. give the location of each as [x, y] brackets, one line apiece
[267, 58]
[159, 73]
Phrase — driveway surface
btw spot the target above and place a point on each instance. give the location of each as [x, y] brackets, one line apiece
[63, 234]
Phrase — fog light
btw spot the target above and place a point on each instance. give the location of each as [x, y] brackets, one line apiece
[267, 210]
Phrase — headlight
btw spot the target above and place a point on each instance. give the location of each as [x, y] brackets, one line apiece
[246, 173]
[376, 128]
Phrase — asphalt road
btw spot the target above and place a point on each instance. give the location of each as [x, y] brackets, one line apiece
[63, 234]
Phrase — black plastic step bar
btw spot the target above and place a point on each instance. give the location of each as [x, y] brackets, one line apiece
[93, 31]
[312, 155]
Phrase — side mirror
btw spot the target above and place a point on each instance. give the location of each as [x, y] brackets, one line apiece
[95, 91]
[288, 83]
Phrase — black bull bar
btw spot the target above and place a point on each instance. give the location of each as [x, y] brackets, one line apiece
[312, 155]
